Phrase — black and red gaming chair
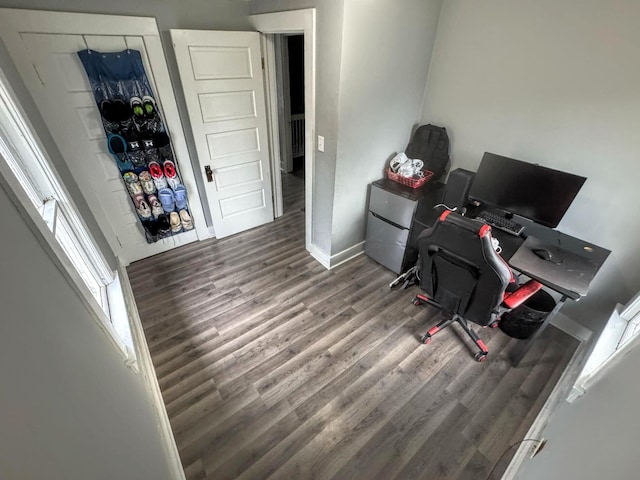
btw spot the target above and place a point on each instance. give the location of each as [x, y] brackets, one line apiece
[462, 274]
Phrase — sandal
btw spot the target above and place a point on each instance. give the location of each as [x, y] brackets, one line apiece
[185, 218]
[167, 200]
[180, 194]
[174, 221]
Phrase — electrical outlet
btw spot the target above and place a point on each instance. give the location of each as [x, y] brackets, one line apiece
[537, 447]
[320, 143]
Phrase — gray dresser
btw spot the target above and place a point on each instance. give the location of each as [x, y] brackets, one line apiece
[391, 229]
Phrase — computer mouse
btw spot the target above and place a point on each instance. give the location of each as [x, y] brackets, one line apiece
[545, 254]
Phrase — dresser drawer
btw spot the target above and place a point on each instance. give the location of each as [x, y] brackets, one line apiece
[390, 206]
[385, 243]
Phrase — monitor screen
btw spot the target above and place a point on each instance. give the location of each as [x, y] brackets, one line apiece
[538, 193]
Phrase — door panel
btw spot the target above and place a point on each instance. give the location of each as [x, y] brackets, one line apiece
[221, 76]
[66, 103]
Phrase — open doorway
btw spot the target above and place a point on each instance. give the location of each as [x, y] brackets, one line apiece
[289, 56]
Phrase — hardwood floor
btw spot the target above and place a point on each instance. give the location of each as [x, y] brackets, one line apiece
[273, 367]
[293, 191]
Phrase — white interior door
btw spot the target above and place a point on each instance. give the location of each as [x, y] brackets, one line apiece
[222, 79]
[48, 63]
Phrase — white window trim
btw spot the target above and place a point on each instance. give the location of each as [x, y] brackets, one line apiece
[12, 180]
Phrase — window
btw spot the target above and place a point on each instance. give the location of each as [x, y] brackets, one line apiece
[26, 168]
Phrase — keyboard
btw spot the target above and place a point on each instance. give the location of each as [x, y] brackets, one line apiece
[500, 222]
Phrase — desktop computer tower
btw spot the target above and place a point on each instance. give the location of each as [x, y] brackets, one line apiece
[457, 188]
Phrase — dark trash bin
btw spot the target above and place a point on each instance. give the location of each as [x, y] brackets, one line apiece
[523, 321]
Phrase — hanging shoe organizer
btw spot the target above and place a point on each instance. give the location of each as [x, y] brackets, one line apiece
[138, 141]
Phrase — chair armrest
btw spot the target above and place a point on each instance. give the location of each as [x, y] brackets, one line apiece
[517, 298]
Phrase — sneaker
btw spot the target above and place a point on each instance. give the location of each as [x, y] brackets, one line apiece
[152, 118]
[172, 175]
[156, 207]
[142, 207]
[134, 148]
[151, 230]
[133, 185]
[136, 107]
[158, 177]
[117, 146]
[122, 111]
[164, 227]
[147, 183]
[163, 144]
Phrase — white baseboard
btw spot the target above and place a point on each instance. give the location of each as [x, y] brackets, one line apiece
[320, 255]
[332, 261]
[571, 327]
[346, 255]
[149, 375]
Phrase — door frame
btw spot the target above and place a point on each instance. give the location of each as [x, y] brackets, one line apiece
[295, 22]
[15, 21]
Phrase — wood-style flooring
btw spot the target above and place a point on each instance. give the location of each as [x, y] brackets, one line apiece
[273, 367]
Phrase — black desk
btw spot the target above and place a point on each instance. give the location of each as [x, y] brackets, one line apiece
[538, 269]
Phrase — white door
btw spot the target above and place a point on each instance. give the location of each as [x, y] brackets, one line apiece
[222, 79]
[49, 65]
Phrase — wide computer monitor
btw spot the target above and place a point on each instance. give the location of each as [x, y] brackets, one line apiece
[538, 193]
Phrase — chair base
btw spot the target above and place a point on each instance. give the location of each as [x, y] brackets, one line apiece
[482, 352]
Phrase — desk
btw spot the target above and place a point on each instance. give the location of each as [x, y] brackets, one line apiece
[538, 269]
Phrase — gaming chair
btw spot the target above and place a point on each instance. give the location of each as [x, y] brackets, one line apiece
[463, 275]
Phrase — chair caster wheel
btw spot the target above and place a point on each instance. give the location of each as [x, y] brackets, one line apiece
[494, 325]
[480, 356]
[426, 339]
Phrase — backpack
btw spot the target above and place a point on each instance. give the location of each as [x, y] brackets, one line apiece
[431, 145]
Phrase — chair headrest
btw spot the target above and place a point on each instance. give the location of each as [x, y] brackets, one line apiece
[475, 226]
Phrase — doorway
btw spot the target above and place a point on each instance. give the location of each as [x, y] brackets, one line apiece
[289, 57]
[294, 22]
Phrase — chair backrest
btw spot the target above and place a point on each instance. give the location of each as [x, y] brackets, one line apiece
[460, 270]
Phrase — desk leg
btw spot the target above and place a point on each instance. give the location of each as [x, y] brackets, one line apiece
[524, 347]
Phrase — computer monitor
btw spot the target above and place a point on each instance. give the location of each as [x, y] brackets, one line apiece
[538, 193]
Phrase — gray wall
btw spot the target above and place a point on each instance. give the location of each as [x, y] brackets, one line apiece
[69, 408]
[554, 83]
[372, 63]
[329, 29]
[386, 52]
[195, 14]
[598, 435]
